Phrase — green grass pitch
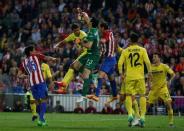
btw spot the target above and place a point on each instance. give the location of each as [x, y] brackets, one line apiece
[84, 122]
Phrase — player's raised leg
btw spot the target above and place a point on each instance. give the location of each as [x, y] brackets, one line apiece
[67, 78]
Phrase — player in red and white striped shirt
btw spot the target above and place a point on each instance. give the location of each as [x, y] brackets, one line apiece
[108, 46]
[32, 66]
[107, 43]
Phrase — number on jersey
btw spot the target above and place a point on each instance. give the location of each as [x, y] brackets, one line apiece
[134, 59]
[31, 66]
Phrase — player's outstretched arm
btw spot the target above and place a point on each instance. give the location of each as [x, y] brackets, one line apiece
[148, 64]
[120, 63]
[43, 57]
[49, 58]
[170, 72]
[57, 45]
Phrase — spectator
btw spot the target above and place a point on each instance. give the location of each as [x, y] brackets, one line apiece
[104, 90]
[107, 109]
[78, 108]
[118, 109]
[173, 64]
[61, 6]
[179, 102]
[2, 91]
[58, 108]
[175, 84]
[18, 106]
[181, 85]
[180, 65]
[75, 87]
[160, 24]
[90, 108]
[92, 88]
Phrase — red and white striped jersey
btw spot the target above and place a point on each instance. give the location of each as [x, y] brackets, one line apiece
[107, 44]
[32, 67]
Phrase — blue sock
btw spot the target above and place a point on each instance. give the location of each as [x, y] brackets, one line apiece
[114, 88]
[99, 86]
[38, 109]
[43, 111]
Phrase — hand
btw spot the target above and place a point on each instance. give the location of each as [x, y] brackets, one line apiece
[85, 17]
[78, 12]
[77, 40]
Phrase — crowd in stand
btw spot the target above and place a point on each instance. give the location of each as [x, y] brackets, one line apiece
[44, 23]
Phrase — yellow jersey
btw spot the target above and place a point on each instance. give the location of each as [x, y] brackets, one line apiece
[133, 58]
[159, 73]
[46, 71]
[119, 49]
[76, 39]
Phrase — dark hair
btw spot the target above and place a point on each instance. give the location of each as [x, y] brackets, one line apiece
[156, 53]
[94, 22]
[75, 26]
[28, 50]
[134, 36]
[104, 25]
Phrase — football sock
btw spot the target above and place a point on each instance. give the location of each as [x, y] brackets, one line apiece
[99, 86]
[143, 106]
[113, 87]
[136, 108]
[85, 87]
[43, 111]
[68, 76]
[128, 104]
[170, 116]
[33, 109]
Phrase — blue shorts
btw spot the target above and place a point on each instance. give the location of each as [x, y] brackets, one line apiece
[108, 65]
[39, 91]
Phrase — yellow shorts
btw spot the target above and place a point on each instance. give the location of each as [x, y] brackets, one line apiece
[31, 96]
[134, 87]
[29, 93]
[161, 93]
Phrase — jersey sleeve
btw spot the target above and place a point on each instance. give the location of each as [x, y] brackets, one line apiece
[120, 62]
[69, 38]
[48, 72]
[40, 56]
[83, 35]
[119, 49]
[146, 60]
